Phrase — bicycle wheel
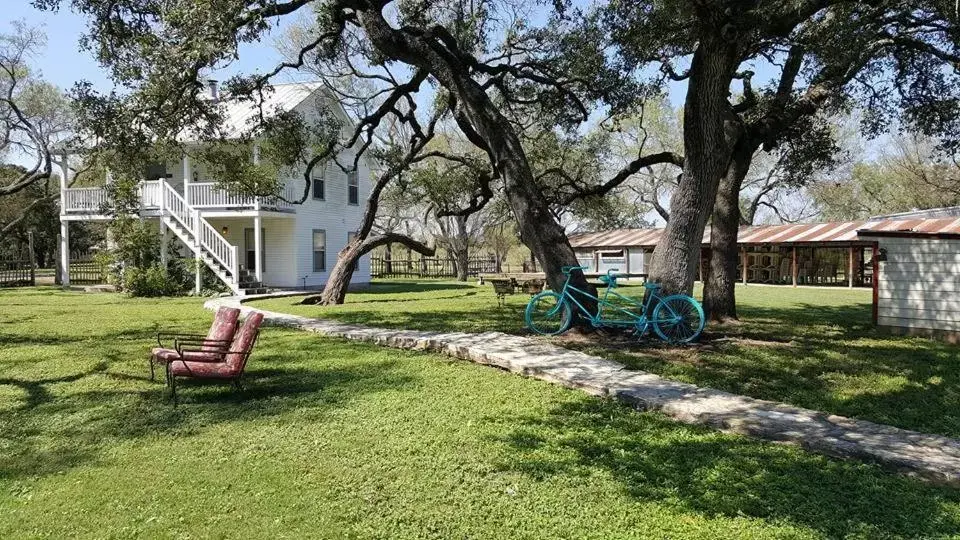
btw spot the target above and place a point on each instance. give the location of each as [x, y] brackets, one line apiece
[548, 314]
[678, 319]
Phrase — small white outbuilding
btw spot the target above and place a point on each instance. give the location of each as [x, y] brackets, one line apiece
[917, 290]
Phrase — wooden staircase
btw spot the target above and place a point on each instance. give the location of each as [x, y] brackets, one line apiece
[205, 241]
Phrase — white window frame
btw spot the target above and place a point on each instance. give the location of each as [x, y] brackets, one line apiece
[353, 185]
[315, 251]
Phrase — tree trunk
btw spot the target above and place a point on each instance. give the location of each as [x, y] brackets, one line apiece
[707, 120]
[335, 289]
[461, 250]
[486, 127]
[719, 291]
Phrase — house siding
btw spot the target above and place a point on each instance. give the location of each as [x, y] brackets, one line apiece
[918, 285]
[333, 214]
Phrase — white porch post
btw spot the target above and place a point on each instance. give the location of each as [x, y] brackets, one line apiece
[64, 253]
[64, 182]
[256, 199]
[197, 249]
[258, 247]
[186, 178]
[164, 242]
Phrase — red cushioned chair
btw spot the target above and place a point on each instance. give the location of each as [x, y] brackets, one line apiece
[225, 364]
[218, 338]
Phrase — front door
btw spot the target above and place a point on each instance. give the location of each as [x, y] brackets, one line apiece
[250, 251]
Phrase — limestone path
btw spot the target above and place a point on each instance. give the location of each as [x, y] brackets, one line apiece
[932, 457]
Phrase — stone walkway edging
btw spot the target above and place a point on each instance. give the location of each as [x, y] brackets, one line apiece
[931, 457]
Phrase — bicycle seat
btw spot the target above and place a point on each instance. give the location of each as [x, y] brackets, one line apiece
[650, 285]
[610, 278]
[567, 269]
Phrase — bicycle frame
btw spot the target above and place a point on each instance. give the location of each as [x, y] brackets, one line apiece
[633, 320]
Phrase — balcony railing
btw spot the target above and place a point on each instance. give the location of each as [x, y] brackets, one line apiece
[203, 196]
[87, 200]
[208, 195]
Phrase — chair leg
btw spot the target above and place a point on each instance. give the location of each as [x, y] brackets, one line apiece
[172, 383]
[153, 376]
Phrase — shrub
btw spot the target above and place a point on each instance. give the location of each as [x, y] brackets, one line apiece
[150, 281]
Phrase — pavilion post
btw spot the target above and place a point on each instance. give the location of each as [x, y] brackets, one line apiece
[793, 266]
[850, 254]
[743, 273]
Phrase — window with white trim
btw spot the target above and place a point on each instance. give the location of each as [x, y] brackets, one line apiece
[353, 188]
[319, 250]
[319, 186]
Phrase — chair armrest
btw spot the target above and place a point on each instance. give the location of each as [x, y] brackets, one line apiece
[174, 335]
[217, 356]
[202, 345]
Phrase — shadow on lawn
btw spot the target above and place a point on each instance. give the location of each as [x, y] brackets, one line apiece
[508, 319]
[829, 358]
[719, 475]
[388, 287]
[51, 433]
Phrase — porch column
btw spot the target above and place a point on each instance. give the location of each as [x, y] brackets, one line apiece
[64, 182]
[197, 250]
[65, 253]
[186, 178]
[256, 198]
[258, 247]
[793, 266]
[164, 242]
[850, 267]
[743, 276]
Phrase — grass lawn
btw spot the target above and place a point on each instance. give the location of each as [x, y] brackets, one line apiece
[341, 440]
[811, 347]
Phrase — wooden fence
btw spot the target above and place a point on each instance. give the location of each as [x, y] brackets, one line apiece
[428, 267]
[17, 274]
[87, 271]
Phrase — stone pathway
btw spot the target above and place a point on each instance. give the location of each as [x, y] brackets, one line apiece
[932, 457]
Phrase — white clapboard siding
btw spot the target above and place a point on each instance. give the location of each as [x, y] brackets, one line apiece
[334, 215]
[919, 283]
[915, 268]
[926, 286]
[918, 300]
[930, 324]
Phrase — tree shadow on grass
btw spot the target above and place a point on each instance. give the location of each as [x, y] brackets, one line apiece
[713, 474]
[397, 287]
[508, 319]
[828, 358]
[49, 434]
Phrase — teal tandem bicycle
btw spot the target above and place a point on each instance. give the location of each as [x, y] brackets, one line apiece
[676, 318]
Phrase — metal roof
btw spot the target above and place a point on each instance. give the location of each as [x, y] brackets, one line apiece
[238, 115]
[801, 233]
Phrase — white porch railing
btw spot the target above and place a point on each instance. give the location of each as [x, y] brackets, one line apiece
[205, 196]
[150, 194]
[220, 248]
[208, 195]
[177, 207]
[90, 200]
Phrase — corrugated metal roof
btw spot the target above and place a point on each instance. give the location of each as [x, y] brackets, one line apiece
[842, 231]
[239, 114]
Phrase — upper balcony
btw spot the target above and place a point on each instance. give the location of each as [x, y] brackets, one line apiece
[204, 196]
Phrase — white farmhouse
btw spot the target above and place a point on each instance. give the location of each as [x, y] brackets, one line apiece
[248, 242]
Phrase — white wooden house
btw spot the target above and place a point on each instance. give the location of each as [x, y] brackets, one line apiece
[248, 242]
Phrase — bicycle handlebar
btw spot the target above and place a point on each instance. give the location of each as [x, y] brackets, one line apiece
[567, 269]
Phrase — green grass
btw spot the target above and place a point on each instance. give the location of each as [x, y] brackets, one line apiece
[810, 347]
[341, 440]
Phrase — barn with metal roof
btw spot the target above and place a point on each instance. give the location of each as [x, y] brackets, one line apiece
[831, 253]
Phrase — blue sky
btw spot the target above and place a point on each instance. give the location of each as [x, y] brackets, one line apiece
[63, 62]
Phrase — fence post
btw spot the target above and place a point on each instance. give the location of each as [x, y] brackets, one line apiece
[33, 265]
